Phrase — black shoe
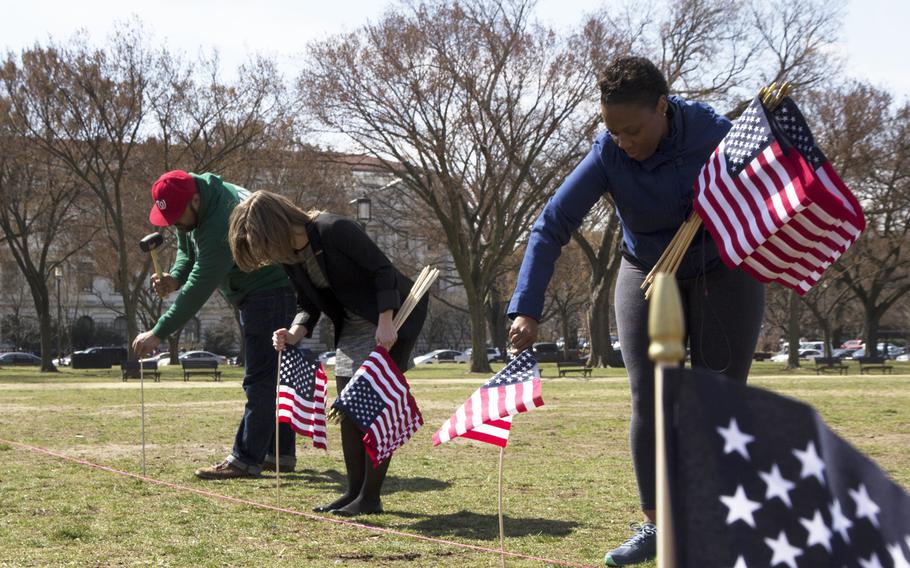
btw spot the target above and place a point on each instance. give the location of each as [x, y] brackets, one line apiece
[336, 504]
[641, 547]
[358, 507]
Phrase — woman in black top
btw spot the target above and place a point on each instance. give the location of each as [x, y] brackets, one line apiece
[337, 270]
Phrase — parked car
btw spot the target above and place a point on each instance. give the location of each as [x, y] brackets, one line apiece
[203, 356]
[99, 357]
[19, 358]
[844, 353]
[441, 356]
[803, 354]
[546, 352]
[853, 344]
[885, 350]
[164, 359]
[493, 354]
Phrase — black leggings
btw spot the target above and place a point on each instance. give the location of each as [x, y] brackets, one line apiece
[723, 314]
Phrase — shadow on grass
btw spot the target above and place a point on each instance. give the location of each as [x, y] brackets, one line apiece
[465, 524]
[333, 479]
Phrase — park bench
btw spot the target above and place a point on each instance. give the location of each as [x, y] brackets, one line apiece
[130, 370]
[825, 364]
[200, 368]
[872, 364]
[564, 367]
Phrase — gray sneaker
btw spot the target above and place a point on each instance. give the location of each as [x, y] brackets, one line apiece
[641, 547]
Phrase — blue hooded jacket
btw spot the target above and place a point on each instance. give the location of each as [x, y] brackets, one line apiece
[652, 199]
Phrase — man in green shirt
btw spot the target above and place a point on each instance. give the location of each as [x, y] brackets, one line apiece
[199, 206]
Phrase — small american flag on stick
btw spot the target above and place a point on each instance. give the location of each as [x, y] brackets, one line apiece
[487, 415]
[378, 399]
[301, 395]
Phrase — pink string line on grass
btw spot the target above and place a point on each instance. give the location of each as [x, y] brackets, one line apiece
[239, 501]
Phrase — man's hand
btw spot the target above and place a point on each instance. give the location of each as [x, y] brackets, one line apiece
[385, 330]
[166, 285]
[523, 333]
[145, 343]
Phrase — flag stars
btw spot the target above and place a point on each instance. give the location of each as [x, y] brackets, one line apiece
[782, 551]
[740, 563]
[778, 486]
[819, 533]
[898, 560]
[735, 440]
[865, 506]
[740, 507]
[839, 522]
[872, 562]
[812, 465]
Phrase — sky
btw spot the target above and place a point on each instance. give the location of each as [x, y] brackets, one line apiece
[870, 44]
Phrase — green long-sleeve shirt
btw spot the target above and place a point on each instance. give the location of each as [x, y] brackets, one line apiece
[204, 260]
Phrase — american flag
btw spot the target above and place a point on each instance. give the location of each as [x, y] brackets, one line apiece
[378, 399]
[487, 415]
[757, 479]
[772, 201]
[301, 395]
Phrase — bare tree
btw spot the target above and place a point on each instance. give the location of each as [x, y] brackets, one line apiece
[38, 204]
[477, 109]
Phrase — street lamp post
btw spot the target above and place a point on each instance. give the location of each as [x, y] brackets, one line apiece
[58, 275]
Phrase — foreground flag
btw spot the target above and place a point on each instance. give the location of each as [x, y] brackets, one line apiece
[487, 415]
[378, 400]
[301, 395]
[772, 201]
[757, 479]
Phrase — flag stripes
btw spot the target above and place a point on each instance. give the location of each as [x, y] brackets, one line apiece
[781, 216]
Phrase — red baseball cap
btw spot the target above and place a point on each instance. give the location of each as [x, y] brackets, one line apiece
[171, 194]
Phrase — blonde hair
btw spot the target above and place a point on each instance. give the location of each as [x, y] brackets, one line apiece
[262, 229]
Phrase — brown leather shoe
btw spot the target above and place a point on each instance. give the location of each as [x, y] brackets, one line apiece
[223, 470]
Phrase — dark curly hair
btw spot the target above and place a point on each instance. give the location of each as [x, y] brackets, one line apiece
[632, 80]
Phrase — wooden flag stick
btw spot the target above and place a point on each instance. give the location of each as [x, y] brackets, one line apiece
[665, 327]
[421, 286]
[278, 432]
[407, 305]
[142, 411]
[502, 533]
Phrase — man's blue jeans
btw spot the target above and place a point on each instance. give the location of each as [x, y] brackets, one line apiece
[261, 313]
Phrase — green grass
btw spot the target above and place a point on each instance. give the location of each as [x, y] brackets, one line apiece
[570, 491]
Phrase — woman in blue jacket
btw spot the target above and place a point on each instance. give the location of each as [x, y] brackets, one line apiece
[647, 161]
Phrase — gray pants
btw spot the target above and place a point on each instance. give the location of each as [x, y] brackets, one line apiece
[723, 315]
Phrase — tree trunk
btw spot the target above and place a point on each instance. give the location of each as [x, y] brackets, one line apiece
[871, 335]
[498, 321]
[173, 346]
[599, 327]
[793, 331]
[477, 309]
[44, 316]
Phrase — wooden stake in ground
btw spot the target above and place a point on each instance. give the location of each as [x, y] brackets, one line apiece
[278, 432]
[142, 410]
[502, 534]
[665, 327]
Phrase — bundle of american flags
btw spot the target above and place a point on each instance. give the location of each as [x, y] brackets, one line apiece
[772, 201]
[301, 395]
[487, 415]
[378, 400]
